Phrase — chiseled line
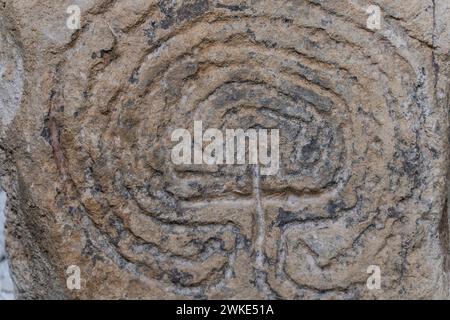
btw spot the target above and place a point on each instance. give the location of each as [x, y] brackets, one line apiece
[260, 259]
[260, 221]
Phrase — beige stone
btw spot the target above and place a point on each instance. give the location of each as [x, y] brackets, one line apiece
[87, 117]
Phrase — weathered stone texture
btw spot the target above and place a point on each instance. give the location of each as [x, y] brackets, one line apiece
[85, 132]
[6, 284]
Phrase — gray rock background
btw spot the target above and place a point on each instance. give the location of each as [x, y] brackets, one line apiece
[6, 284]
[11, 86]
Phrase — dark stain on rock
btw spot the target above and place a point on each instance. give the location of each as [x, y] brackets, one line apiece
[186, 12]
[285, 217]
[134, 76]
[234, 8]
[45, 133]
[393, 213]
[311, 151]
[129, 104]
[334, 206]
[88, 248]
[179, 277]
[193, 10]
[411, 158]
[150, 32]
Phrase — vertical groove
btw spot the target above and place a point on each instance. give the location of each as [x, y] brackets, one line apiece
[260, 233]
[260, 221]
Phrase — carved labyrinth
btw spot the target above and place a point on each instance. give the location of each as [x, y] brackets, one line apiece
[348, 103]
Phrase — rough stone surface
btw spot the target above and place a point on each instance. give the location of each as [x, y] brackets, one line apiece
[85, 148]
[6, 283]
